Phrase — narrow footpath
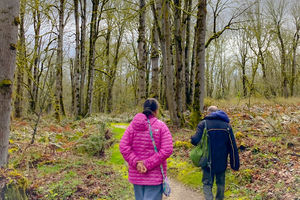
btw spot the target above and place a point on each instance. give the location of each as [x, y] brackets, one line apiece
[181, 192]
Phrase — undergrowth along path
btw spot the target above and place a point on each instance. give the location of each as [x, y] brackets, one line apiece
[180, 192]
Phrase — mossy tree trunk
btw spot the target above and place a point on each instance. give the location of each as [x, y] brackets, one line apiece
[8, 39]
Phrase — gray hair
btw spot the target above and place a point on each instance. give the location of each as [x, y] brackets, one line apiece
[211, 109]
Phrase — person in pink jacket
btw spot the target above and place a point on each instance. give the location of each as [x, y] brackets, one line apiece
[138, 151]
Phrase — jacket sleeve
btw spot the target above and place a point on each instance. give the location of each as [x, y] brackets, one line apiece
[195, 139]
[126, 147]
[234, 154]
[164, 152]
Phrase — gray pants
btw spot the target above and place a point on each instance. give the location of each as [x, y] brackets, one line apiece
[148, 192]
[208, 182]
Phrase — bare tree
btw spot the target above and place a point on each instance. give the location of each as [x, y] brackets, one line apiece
[277, 12]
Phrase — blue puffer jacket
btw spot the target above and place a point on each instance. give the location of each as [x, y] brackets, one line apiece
[222, 141]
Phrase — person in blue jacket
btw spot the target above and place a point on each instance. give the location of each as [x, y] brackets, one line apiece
[222, 143]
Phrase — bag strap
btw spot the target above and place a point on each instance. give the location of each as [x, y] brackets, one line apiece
[155, 148]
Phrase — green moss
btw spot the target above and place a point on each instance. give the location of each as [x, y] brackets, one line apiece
[185, 172]
[5, 83]
[118, 132]
[116, 156]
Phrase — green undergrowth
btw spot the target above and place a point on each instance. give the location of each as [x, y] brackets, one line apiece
[117, 161]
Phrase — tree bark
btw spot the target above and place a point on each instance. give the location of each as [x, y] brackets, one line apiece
[8, 42]
[167, 61]
[108, 38]
[187, 51]
[36, 54]
[77, 61]
[113, 70]
[142, 52]
[154, 61]
[180, 72]
[200, 57]
[21, 62]
[294, 56]
[82, 57]
[59, 107]
[91, 70]
[284, 87]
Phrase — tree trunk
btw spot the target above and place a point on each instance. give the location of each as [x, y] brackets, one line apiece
[294, 52]
[82, 57]
[72, 83]
[193, 71]
[59, 107]
[8, 44]
[36, 54]
[154, 60]
[77, 61]
[21, 62]
[284, 88]
[167, 61]
[179, 58]
[142, 52]
[91, 70]
[108, 92]
[113, 71]
[200, 57]
[187, 51]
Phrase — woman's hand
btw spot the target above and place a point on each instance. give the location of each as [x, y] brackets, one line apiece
[141, 167]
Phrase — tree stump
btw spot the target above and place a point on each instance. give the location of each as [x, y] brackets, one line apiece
[12, 185]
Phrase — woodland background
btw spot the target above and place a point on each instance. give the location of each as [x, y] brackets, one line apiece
[79, 57]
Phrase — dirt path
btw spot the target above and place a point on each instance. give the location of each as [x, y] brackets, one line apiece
[181, 192]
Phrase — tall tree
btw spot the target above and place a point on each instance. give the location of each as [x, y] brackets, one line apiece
[179, 56]
[167, 62]
[142, 51]
[200, 57]
[296, 17]
[91, 69]
[8, 42]
[187, 47]
[113, 69]
[83, 9]
[59, 107]
[21, 62]
[36, 54]
[154, 61]
[277, 12]
[77, 60]
[94, 30]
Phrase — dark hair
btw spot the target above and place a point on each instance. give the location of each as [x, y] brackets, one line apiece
[150, 106]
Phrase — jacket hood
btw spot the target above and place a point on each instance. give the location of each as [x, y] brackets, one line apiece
[220, 115]
[140, 122]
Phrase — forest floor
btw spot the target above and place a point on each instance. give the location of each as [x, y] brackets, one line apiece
[81, 159]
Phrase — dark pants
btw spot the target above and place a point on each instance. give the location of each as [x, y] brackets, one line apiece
[148, 192]
[208, 181]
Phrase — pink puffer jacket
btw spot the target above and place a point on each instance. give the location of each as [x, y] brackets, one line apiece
[136, 145]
